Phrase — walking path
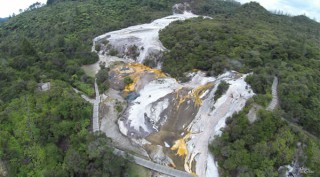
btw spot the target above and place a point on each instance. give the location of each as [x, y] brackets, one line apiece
[275, 100]
[154, 166]
[138, 160]
[85, 97]
[95, 117]
[95, 102]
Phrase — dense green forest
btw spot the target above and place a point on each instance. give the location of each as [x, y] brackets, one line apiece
[251, 39]
[213, 7]
[47, 133]
[57, 38]
[260, 148]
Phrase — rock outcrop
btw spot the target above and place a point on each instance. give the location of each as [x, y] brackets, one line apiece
[181, 8]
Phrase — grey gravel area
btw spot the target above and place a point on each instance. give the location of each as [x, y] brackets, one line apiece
[109, 116]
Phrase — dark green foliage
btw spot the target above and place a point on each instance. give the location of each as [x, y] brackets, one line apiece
[97, 47]
[127, 80]
[119, 106]
[222, 88]
[47, 133]
[150, 62]
[262, 100]
[259, 149]
[52, 42]
[250, 39]
[214, 7]
[153, 59]
[55, 40]
[102, 79]
[86, 88]
[260, 83]
[133, 52]
[27, 48]
[113, 52]
[96, 159]
[49, 2]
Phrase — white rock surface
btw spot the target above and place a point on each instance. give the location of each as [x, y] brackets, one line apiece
[212, 170]
[144, 36]
[211, 118]
[151, 102]
[152, 92]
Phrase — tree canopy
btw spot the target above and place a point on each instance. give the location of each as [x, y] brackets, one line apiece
[47, 133]
[251, 39]
[247, 39]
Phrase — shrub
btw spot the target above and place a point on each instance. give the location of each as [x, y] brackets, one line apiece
[127, 80]
[97, 47]
[113, 52]
[222, 88]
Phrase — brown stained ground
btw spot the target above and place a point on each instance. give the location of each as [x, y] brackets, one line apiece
[183, 106]
[139, 73]
[180, 114]
[178, 160]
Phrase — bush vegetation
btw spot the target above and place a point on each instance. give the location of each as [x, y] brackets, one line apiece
[127, 80]
[248, 38]
[259, 149]
[222, 88]
[102, 79]
[48, 133]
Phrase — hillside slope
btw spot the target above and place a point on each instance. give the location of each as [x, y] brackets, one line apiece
[251, 39]
[56, 40]
[46, 133]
